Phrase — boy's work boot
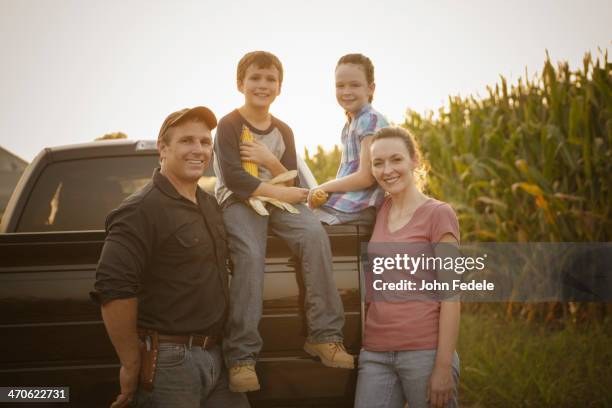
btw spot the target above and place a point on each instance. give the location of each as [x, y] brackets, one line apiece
[331, 354]
[243, 378]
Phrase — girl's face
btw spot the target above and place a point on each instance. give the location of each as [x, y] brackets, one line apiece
[392, 165]
[352, 88]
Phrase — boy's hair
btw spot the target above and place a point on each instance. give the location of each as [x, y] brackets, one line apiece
[261, 59]
[365, 62]
[397, 132]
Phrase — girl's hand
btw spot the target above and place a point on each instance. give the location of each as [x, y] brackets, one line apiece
[256, 152]
[317, 197]
[440, 387]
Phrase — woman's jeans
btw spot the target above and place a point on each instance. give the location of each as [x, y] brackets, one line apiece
[389, 379]
[189, 378]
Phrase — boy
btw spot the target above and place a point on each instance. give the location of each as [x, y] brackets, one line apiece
[259, 79]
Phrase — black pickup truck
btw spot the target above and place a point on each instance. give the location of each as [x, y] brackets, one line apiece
[51, 235]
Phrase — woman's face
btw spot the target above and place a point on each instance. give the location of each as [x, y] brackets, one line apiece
[392, 166]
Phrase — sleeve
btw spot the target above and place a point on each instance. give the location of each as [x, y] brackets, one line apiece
[227, 150]
[289, 159]
[124, 256]
[444, 222]
[369, 124]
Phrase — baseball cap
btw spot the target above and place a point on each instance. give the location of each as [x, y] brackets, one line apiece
[175, 118]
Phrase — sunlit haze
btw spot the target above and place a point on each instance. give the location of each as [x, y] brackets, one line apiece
[74, 70]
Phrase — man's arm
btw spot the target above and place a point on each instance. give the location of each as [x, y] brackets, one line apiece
[120, 317]
[124, 256]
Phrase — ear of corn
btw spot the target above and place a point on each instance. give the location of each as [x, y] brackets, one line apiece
[319, 197]
[248, 166]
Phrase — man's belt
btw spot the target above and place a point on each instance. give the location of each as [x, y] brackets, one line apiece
[197, 340]
[149, 341]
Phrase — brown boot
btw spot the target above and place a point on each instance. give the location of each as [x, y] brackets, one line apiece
[243, 378]
[331, 354]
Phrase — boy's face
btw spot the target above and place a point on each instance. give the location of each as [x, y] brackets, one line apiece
[352, 88]
[260, 86]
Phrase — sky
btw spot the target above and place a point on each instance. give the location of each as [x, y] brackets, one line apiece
[71, 71]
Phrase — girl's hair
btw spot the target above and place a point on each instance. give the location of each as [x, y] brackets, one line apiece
[364, 62]
[397, 132]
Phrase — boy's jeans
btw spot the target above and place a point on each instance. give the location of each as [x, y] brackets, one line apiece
[189, 378]
[389, 379]
[247, 235]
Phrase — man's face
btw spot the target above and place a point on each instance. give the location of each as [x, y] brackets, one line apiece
[260, 86]
[187, 153]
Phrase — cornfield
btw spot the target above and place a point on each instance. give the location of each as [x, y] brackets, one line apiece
[529, 162]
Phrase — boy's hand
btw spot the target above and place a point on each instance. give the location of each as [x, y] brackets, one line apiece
[256, 152]
[293, 195]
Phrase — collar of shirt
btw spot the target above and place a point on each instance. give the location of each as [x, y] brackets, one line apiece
[166, 187]
[363, 110]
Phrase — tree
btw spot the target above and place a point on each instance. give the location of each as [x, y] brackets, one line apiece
[112, 136]
[324, 165]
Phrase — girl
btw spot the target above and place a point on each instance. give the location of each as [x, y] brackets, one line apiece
[408, 352]
[354, 194]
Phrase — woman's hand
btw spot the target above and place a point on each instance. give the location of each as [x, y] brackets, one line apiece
[256, 152]
[440, 387]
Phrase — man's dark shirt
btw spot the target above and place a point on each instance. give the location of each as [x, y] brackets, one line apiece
[169, 253]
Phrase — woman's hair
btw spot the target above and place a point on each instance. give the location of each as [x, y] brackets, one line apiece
[364, 62]
[397, 132]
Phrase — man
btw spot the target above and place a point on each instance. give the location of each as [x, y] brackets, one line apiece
[161, 280]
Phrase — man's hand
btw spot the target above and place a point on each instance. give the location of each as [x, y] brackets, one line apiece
[292, 195]
[440, 387]
[128, 379]
[256, 152]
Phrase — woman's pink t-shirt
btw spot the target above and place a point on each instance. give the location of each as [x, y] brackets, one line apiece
[410, 325]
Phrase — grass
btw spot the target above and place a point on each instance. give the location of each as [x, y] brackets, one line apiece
[517, 364]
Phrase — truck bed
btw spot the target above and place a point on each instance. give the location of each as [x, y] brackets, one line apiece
[53, 335]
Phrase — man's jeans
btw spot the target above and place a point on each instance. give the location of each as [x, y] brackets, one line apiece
[389, 379]
[189, 378]
[247, 235]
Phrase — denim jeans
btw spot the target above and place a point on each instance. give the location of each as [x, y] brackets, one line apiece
[247, 235]
[189, 378]
[389, 379]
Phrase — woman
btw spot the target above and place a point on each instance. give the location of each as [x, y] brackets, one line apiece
[408, 352]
